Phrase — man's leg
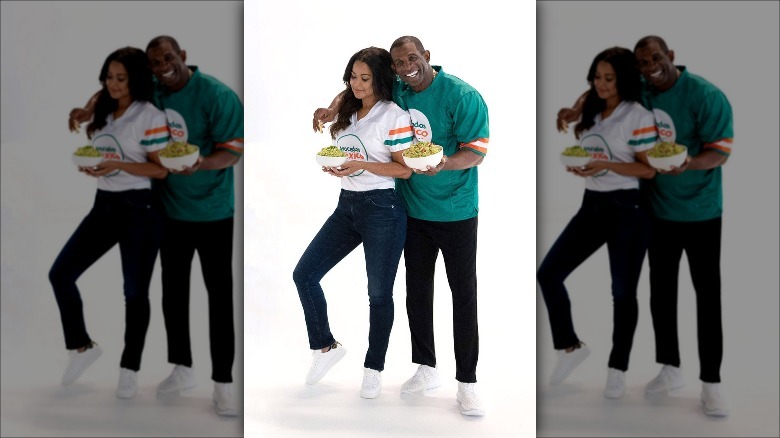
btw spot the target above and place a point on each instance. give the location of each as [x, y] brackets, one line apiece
[176, 253]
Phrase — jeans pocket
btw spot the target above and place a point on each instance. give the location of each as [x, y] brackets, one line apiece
[388, 201]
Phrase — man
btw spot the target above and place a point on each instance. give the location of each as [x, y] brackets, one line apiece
[199, 206]
[442, 206]
[687, 204]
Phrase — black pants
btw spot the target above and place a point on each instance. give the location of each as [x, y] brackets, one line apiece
[214, 243]
[458, 244]
[701, 243]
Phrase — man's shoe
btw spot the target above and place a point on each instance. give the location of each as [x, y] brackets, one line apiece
[424, 379]
[128, 384]
[80, 361]
[712, 401]
[669, 379]
[567, 362]
[182, 378]
[372, 384]
[224, 402]
[322, 362]
[616, 384]
[468, 401]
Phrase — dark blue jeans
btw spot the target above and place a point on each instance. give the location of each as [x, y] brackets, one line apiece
[213, 240]
[131, 219]
[377, 219]
[701, 243]
[619, 219]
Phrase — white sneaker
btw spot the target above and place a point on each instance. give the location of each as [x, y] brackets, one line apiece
[669, 379]
[224, 402]
[372, 383]
[181, 379]
[713, 402]
[80, 361]
[567, 362]
[128, 383]
[322, 362]
[468, 401]
[424, 378]
[616, 383]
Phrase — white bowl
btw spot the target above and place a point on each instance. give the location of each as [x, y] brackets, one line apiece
[666, 163]
[179, 163]
[326, 161]
[86, 161]
[422, 163]
[570, 161]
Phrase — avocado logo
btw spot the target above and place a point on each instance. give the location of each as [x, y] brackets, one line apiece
[598, 148]
[665, 125]
[351, 145]
[176, 125]
[108, 145]
[421, 126]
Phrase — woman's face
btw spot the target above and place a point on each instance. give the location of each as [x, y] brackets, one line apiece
[117, 81]
[361, 81]
[605, 81]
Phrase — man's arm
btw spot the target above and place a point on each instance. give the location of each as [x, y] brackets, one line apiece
[568, 115]
[328, 114]
[78, 116]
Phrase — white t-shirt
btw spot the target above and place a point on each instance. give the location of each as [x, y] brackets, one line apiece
[385, 129]
[142, 129]
[628, 130]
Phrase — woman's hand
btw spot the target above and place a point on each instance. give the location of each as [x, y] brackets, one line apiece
[322, 116]
[101, 169]
[77, 117]
[589, 169]
[345, 169]
[566, 116]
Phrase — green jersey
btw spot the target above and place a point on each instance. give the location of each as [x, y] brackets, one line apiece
[452, 114]
[208, 114]
[695, 114]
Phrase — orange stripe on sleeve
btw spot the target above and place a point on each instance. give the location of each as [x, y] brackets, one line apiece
[401, 130]
[644, 130]
[156, 130]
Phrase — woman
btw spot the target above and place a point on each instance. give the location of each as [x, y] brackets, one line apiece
[129, 131]
[374, 131]
[617, 132]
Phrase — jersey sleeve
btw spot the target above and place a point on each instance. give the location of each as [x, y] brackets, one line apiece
[156, 134]
[400, 133]
[644, 134]
[716, 123]
[470, 120]
[227, 122]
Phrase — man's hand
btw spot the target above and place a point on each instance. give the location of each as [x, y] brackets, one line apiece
[77, 117]
[677, 170]
[566, 116]
[188, 170]
[432, 171]
[322, 116]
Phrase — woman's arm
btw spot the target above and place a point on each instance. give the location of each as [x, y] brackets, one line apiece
[639, 169]
[150, 169]
[395, 168]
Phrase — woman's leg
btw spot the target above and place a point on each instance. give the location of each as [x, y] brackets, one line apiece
[335, 240]
[138, 248]
[578, 241]
[89, 242]
[382, 224]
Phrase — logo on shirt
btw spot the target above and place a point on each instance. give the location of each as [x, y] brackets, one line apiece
[421, 126]
[598, 149]
[176, 125]
[665, 125]
[108, 145]
[351, 145]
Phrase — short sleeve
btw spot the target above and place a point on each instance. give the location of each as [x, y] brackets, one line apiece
[715, 120]
[400, 132]
[644, 134]
[471, 123]
[226, 119]
[156, 135]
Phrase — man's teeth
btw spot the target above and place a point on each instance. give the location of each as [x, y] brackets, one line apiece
[169, 74]
[656, 74]
[413, 74]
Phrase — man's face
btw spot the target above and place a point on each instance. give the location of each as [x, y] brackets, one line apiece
[412, 66]
[169, 66]
[657, 66]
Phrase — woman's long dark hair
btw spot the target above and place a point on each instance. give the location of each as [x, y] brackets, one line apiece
[379, 62]
[629, 85]
[139, 81]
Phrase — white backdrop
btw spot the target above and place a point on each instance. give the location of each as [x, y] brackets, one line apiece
[52, 53]
[294, 58]
[735, 46]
